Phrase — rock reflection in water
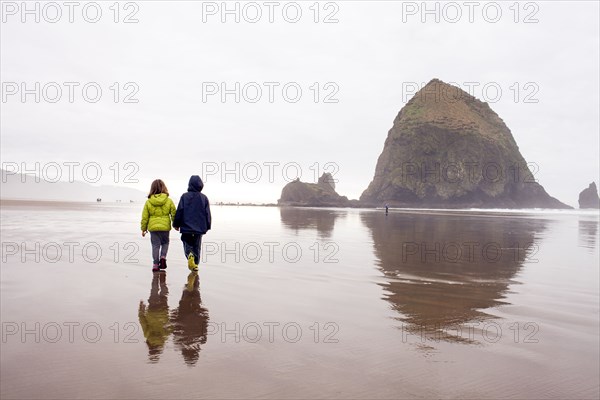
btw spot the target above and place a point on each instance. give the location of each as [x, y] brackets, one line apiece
[446, 270]
[588, 231]
[297, 219]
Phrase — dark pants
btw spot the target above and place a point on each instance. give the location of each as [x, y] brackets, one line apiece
[160, 245]
[191, 244]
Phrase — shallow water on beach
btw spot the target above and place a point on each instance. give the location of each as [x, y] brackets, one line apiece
[298, 303]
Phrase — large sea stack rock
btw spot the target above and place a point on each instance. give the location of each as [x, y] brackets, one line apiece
[321, 194]
[588, 198]
[449, 150]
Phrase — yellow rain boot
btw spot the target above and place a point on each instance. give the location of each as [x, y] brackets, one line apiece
[190, 282]
[192, 263]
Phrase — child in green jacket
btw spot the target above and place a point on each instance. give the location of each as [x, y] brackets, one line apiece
[157, 215]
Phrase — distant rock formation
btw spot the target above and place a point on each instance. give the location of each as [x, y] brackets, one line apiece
[588, 198]
[447, 149]
[321, 194]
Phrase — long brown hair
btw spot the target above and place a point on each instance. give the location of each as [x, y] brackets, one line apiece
[158, 187]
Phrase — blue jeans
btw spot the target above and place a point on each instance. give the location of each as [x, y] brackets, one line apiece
[191, 244]
[160, 245]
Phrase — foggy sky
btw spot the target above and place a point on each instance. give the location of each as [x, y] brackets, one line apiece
[369, 57]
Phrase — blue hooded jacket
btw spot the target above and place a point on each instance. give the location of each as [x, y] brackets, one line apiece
[193, 210]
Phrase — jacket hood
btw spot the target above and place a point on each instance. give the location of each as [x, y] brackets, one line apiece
[195, 184]
[158, 199]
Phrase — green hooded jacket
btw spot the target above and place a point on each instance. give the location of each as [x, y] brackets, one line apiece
[158, 213]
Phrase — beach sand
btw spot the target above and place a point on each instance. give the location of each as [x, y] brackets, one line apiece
[300, 303]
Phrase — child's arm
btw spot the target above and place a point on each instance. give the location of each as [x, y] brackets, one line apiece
[178, 215]
[172, 212]
[145, 217]
[208, 216]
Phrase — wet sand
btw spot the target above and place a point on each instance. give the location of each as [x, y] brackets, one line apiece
[300, 303]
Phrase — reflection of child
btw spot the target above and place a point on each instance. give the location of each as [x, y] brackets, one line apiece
[154, 319]
[158, 212]
[190, 321]
[193, 220]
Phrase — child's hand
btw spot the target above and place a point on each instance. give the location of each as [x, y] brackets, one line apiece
[144, 233]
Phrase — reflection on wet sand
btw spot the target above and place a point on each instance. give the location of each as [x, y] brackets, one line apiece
[588, 231]
[190, 321]
[154, 318]
[445, 270]
[323, 220]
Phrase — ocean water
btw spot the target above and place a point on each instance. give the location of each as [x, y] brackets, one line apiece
[301, 303]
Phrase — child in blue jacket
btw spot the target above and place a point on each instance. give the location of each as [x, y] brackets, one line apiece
[193, 220]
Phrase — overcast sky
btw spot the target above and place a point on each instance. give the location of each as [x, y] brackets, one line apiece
[368, 61]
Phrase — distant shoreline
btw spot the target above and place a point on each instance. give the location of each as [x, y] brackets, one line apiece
[399, 210]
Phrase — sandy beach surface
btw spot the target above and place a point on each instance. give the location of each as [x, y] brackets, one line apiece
[300, 303]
